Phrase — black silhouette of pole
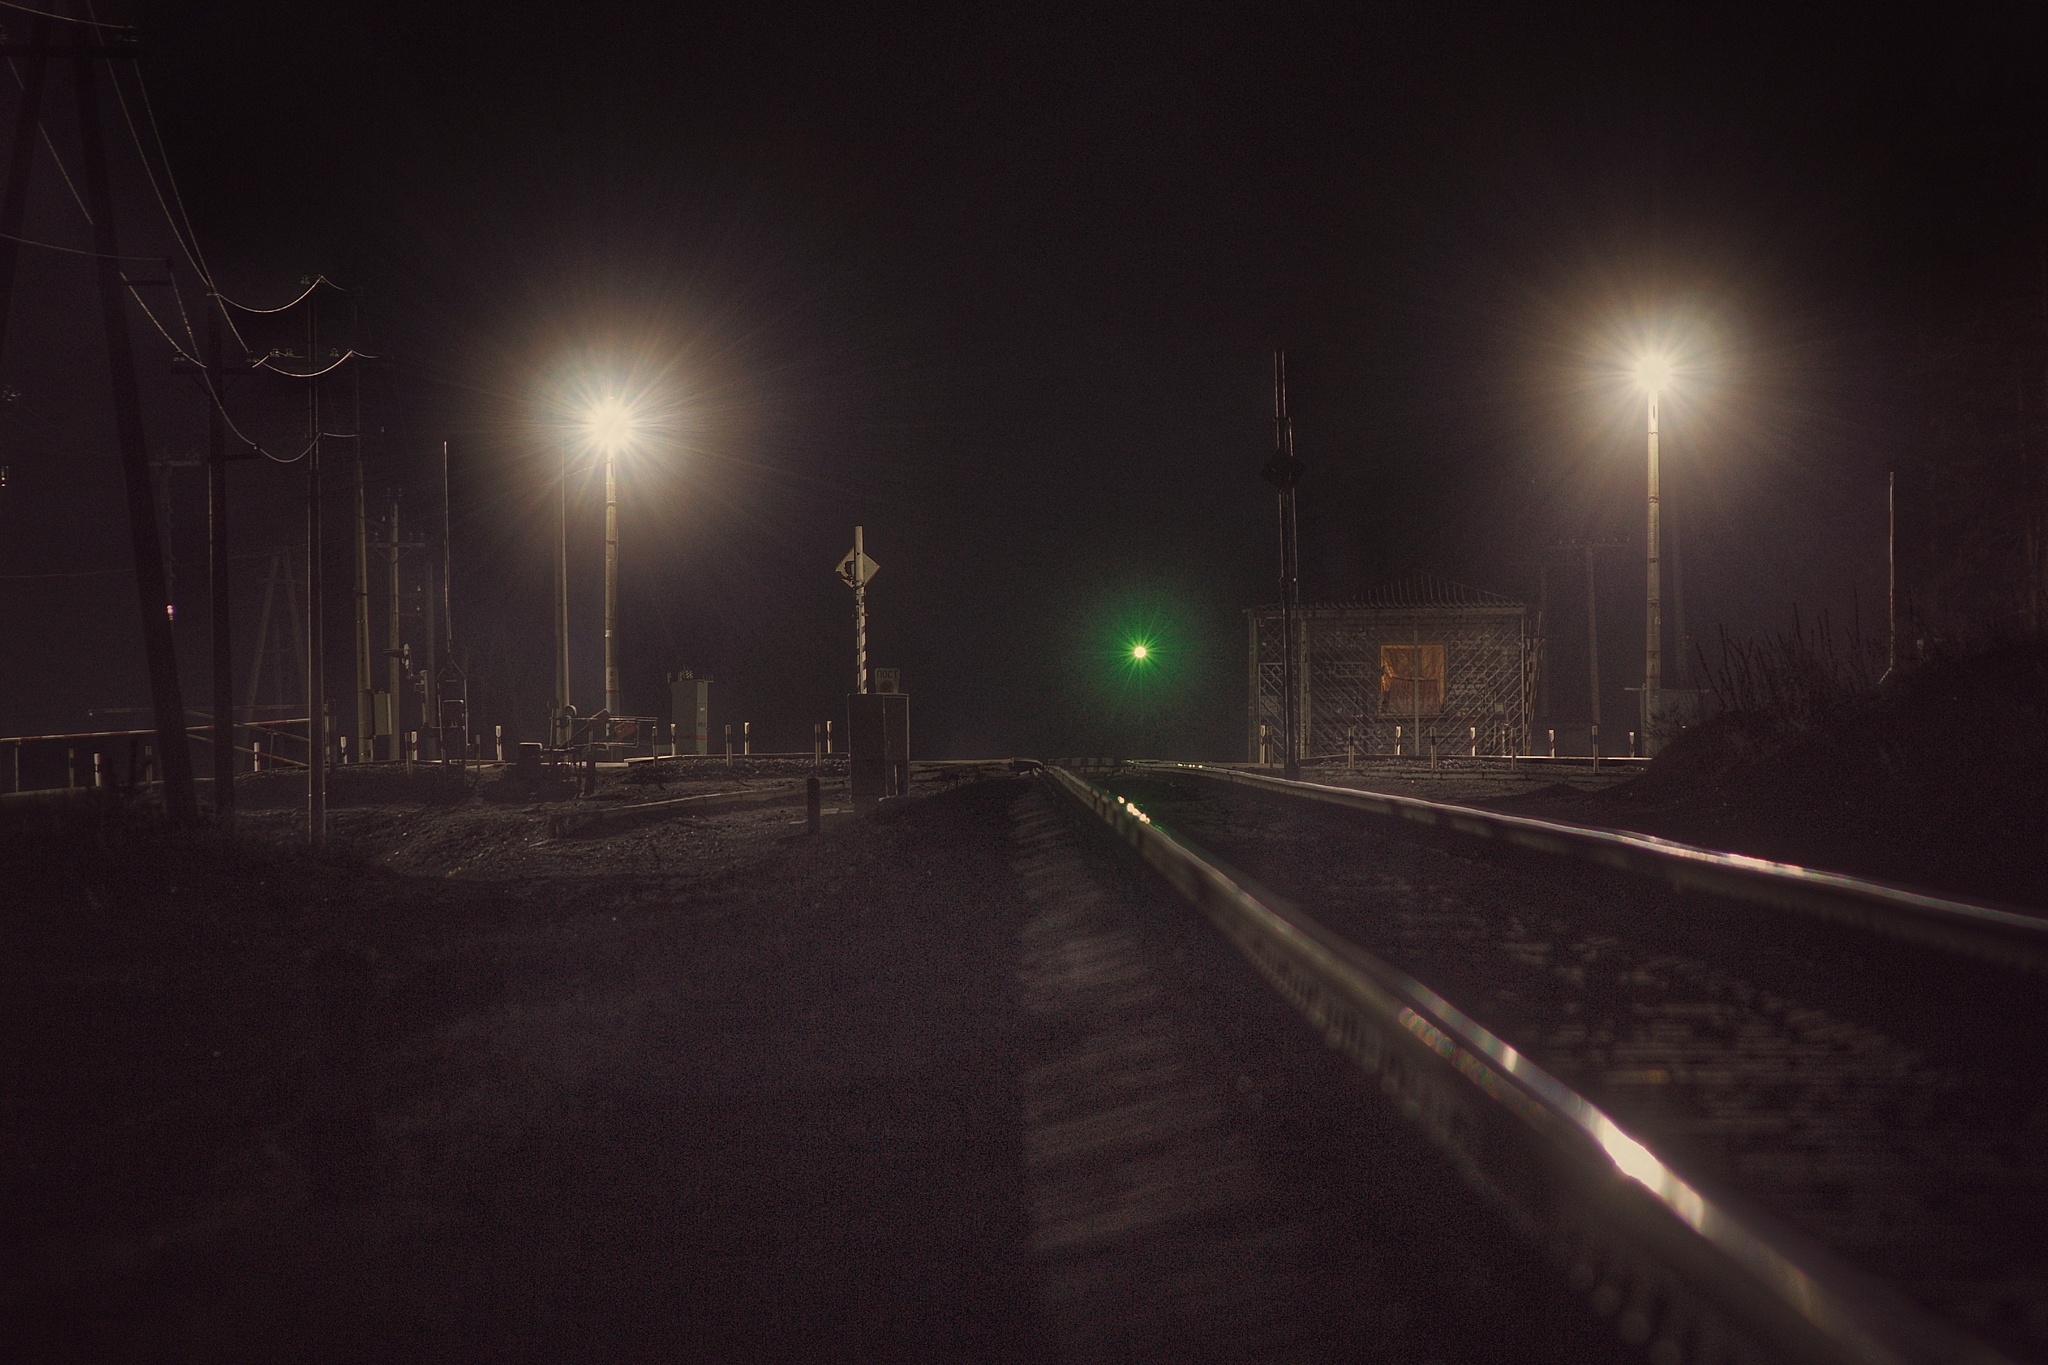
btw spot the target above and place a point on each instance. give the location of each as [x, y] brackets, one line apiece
[1284, 471]
[174, 755]
[217, 555]
[20, 160]
[316, 579]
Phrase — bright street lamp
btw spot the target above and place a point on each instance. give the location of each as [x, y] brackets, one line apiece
[608, 426]
[1653, 372]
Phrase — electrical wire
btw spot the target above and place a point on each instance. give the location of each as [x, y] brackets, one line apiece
[187, 356]
[44, 129]
[67, 18]
[318, 280]
[350, 354]
[188, 242]
[89, 573]
[80, 251]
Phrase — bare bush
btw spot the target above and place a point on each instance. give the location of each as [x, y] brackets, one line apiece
[1802, 679]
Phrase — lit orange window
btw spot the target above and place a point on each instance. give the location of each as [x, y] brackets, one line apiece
[1405, 688]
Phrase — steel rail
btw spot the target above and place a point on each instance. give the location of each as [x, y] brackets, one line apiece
[2015, 937]
[1701, 1278]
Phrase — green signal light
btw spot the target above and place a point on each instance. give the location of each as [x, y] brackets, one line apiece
[1139, 652]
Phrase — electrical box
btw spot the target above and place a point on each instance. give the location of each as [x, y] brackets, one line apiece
[878, 745]
[691, 697]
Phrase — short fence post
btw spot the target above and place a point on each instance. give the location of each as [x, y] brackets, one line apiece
[1596, 748]
[728, 741]
[98, 777]
[1475, 741]
[1553, 743]
[814, 815]
[499, 739]
[1397, 741]
[1632, 744]
[746, 738]
[828, 739]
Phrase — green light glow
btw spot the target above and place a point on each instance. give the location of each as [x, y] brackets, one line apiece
[1139, 652]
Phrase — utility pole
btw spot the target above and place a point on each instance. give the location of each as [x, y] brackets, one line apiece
[447, 634]
[174, 756]
[1284, 471]
[394, 654]
[1891, 576]
[21, 158]
[366, 697]
[316, 650]
[217, 567]
[1590, 547]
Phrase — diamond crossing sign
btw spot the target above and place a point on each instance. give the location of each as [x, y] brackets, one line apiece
[857, 570]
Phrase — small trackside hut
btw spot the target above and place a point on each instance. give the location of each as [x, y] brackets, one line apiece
[1415, 662]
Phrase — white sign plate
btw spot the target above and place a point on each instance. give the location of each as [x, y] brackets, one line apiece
[857, 570]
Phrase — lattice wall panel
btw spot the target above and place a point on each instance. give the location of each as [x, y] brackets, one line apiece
[1343, 701]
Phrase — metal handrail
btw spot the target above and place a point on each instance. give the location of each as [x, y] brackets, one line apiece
[2012, 936]
[1465, 1085]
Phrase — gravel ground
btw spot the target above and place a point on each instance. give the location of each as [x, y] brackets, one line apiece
[957, 1081]
[1881, 1099]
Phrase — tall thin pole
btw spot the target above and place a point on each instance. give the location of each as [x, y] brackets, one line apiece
[612, 703]
[217, 566]
[316, 642]
[561, 719]
[447, 619]
[1593, 646]
[20, 161]
[1284, 471]
[394, 671]
[366, 696]
[174, 756]
[441, 641]
[860, 617]
[1653, 641]
[1891, 575]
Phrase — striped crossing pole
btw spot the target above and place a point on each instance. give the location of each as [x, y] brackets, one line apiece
[855, 570]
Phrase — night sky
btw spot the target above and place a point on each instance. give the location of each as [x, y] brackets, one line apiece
[1002, 285]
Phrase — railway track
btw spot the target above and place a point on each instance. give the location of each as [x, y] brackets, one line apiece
[1749, 1112]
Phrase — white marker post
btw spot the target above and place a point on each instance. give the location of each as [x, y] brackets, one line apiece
[856, 570]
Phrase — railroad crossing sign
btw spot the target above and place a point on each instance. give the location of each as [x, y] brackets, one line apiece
[857, 570]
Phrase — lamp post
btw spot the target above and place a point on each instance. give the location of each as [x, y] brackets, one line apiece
[611, 581]
[611, 425]
[560, 735]
[1654, 373]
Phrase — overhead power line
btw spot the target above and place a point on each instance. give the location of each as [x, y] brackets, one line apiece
[67, 18]
[343, 359]
[81, 251]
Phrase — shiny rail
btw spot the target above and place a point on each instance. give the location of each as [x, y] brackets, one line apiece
[2015, 937]
[1692, 1276]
